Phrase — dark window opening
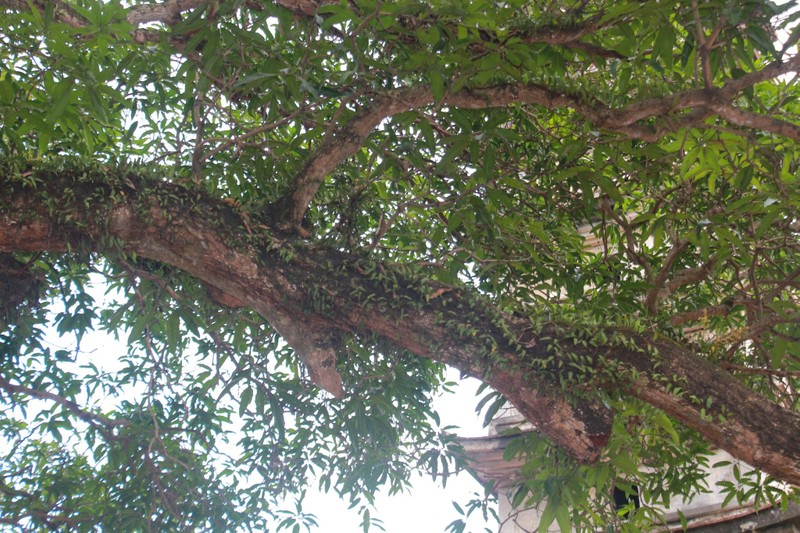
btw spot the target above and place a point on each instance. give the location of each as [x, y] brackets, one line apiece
[624, 495]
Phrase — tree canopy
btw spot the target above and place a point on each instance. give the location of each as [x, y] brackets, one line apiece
[303, 209]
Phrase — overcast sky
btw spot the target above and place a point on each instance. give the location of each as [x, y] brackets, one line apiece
[426, 508]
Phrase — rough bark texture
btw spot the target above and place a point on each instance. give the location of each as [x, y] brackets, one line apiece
[281, 277]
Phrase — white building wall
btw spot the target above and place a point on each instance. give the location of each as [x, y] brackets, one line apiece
[702, 509]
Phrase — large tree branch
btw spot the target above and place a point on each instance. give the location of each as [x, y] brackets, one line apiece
[102, 423]
[282, 292]
[453, 326]
[346, 140]
[676, 111]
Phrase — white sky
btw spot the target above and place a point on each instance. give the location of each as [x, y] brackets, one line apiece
[426, 508]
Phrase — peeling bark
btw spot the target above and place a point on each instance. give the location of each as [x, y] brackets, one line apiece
[663, 373]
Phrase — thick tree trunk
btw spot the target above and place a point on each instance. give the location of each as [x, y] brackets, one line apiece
[309, 293]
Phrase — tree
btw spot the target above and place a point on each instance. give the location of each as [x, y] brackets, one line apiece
[303, 209]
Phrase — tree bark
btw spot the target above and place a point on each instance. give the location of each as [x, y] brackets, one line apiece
[282, 278]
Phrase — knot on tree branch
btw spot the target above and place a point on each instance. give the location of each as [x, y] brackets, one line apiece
[315, 344]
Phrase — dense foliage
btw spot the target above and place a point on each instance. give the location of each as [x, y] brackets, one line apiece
[441, 166]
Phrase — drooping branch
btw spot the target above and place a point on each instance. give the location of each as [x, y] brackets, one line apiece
[102, 423]
[454, 326]
[568, 34]
[65, 14]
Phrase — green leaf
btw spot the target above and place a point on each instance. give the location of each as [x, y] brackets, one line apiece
[548, 517]
[766, 222]
[762, 40]
[365, 521]
[342, 14]
[429, 36]
[60, 99]
[244, 400]
[624, 464]
[35, 14]
[563, 518]
[6, 91]
[437, 84]
[664, 45]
